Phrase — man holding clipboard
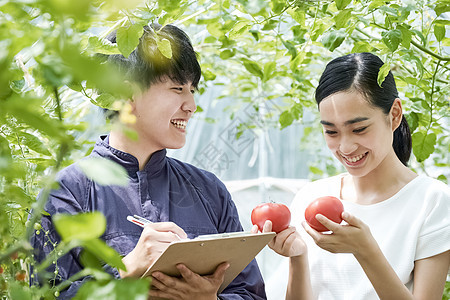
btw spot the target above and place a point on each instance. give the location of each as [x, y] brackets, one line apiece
[180, 200]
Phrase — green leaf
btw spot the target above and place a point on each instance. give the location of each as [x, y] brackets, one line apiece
[5, 151]
[89, 260]
[33, 143]
[81, 226]
[32, 115]
[406, 36]
[215, 29]
[208, 74]
[376, 3]
[298, 15]
[420, 35]
[286, 119]
[361, 46]
[104, 252]
[102, 46]
[239, 29]
[277, 6]
[227, 53]
[104, 171]
[255, 34]
[164, 47]
[333, 39]
[439, 32]
[342, 18]
[253, 68]
[382, 73]
[291, 48]
[392, 39]
[269, 69]
[423, 145]
[128, 38]
[413, 120]
[136, 289]
[104, 100]
[19, 291]
[341, 4]
[315, 170]
[442, 8]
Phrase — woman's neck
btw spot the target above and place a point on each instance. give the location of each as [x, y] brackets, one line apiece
[380, 184]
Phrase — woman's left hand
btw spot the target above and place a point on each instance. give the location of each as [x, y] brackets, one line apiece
[353, 237]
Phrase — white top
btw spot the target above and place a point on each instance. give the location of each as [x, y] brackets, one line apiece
[412, 225]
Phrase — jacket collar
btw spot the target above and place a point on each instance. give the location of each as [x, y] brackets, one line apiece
[129, 161]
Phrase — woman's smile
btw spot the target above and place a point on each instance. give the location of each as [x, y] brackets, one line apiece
[355, 160]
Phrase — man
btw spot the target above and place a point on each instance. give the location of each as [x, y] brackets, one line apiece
[180, 199]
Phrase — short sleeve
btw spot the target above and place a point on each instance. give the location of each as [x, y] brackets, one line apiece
[434, 236]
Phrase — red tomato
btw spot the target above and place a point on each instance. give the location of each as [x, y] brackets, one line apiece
[20, 275]
[278, 213]
[1, 270]
[330, 207]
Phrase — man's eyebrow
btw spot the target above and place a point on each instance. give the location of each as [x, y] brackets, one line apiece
[346, 123]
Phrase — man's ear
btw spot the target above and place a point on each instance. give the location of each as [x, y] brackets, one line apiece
[396, 113]
[135, 92]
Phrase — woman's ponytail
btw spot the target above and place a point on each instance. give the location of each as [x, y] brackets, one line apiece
[402, 143]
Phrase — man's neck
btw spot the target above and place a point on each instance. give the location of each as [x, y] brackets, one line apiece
[139, 149]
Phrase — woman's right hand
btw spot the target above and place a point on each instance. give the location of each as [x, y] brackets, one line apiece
[287, 242]
[154, 239]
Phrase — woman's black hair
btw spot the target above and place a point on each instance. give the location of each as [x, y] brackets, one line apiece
[359, 72]
[146, 65]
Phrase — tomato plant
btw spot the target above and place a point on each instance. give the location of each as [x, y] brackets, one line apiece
[278, 213]
[330, 207]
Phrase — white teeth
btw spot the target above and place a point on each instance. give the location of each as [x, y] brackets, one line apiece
[355, 158]
[179, 123]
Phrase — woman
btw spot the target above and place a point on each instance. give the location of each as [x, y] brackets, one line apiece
[395, 241]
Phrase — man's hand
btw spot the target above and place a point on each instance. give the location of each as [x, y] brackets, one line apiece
[155, 238]
[189, 286]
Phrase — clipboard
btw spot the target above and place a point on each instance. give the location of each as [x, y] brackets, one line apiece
[204, 253]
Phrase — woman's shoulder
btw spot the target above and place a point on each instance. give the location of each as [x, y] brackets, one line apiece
[423, 184]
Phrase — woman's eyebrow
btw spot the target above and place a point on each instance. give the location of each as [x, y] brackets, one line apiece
[346, 123]
[356, 120]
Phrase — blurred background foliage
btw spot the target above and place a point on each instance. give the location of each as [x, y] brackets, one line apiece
[256, 51]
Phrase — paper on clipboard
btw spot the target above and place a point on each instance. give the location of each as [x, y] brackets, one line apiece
[203, 254]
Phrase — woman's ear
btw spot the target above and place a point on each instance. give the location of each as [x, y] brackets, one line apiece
[396, 113]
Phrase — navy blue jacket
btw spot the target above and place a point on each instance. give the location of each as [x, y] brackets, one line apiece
[166, 190]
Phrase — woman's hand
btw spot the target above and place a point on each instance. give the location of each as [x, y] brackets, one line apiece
[353, 237]
[287, 243]
[154, 239]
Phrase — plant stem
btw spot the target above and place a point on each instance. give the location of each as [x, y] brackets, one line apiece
[432, 94]
[428, 51]
[58, 103]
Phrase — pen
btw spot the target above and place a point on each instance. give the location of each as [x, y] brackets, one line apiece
[144, 220]
[140, 222]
